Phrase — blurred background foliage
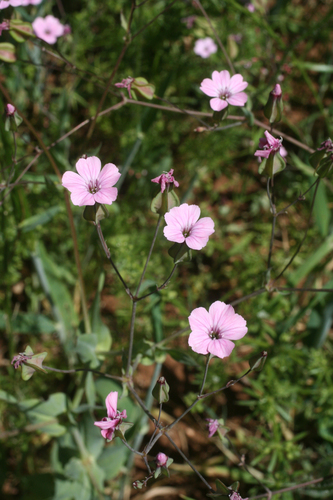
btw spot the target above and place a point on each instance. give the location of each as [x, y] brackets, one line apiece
[281, 418]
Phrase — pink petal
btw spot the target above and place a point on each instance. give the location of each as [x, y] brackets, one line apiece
[220, 347]
[173, 234]
[72, 180]
[191, 214]
[200, 321]
[196, 243]
[218, 104]
[209, 88]
[82, 198]
[237, 84]
[263, 154]
[107, 424]
[199, 343]
[109, 175]
[111, 404]
[106, 196]
[237, 99]
[270, 139]
[89, 168]
[224, 78]
[216, 78]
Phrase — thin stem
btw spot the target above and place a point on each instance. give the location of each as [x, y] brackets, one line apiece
[149, 255]
[74, 370]
[68, 208]
[131, 338]
[151, 22]
[286, 289]
[149, 446]
[188, 462]
[108, 255]
[273, 210]
[158, 288]
[131, 449]
[290, 488]
[305, 234]
[300, 198]
[209, 357]
[143, 406]
[249, 296]
[198, 3]
[229, 384]
[114, 71]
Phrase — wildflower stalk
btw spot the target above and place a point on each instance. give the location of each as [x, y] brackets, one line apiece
[166, 282]
[131, 337]
[149, 255]
[273, 210]
[209, 357]
[305, 234]
[108, 255]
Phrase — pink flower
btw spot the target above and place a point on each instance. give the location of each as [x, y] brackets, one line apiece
[224, 90]
[48, 29]
[10, 110]
[270, 145]
[164, 179]
[250, 7]
[111, 423]
[126, 83]
[205, 47]
[236, 496]
[189, 21]
[92, 185]
[161, 460]
[183, 225]
[4, 26]
[213, 330]
[4, 4]
[212, 425]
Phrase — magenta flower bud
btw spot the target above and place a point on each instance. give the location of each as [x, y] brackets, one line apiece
[10, 110]
[161, 460]
[274, 106]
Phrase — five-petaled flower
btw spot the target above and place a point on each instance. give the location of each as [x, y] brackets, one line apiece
[204, 47]
[48, 29]
[224, 90]
[269, 145]
[92, 184]
[183, 226]
[213, 330]
[165, 179]
[111, 423]
[212, 425]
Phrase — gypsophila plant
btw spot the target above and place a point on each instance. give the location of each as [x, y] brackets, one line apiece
[182, 294]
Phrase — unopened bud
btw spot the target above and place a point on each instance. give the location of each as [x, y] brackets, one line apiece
[257, 364]
[161, 459]
[161, 390]
[274, 106]
[322, 159]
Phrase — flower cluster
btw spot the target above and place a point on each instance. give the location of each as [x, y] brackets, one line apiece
[18, 3]
[111, 423]
[49, 29]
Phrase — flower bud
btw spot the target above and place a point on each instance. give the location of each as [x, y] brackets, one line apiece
[29, 362]
[161, 391]
[322, 159]
[161, 460]
[257, 364]
[274, 106]
[166, 199]
[13, 119]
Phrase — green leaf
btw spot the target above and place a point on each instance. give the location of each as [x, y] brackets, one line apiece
[86, 349]
[112, 460]
[30, 323]
[312, 261]
[321, 211]
[40, 219]
[4, 396]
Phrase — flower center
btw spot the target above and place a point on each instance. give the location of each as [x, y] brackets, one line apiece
[186, 232]
[215, 335]
[93, 186]
[225, 94]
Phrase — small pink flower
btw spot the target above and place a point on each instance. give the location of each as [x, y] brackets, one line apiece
[111, 423]
[224, 90]
[92, 185]
[126, 84]
[4, 26]
[250, 7]
[236, 496]
[269, 145]
[212, 425]
[164, 179]
[183, 226]
[48, 29]
[205, 47]
[161, 460]
[189, 21]
[10, 110]
[213, 330]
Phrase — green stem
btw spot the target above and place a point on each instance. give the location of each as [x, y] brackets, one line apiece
[149, 255]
